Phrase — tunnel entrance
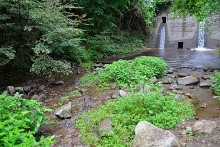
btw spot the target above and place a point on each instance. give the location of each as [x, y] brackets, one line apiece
[164, 19]
[180, 45]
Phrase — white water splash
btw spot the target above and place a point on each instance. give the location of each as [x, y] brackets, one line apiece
[201, 35]
[162, 36]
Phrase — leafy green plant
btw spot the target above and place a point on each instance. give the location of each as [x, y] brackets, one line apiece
[161, 110]
[192, 133]
[127, 72]
[216, 86]
[107, 44]
[20, 120]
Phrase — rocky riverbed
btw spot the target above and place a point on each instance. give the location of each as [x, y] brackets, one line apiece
[188, 83]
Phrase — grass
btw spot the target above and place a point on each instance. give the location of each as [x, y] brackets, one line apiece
[161, 110]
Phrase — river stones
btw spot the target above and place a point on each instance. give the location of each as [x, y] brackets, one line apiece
[188, 80]
[204, 126]
[64, 111]
[147, 135]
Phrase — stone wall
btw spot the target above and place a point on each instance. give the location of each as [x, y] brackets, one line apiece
[185, 29]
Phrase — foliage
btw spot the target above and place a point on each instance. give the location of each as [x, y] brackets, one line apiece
[106, 14]
[106, 44]
[128, 73]
[35, 32]
[216, 85]
[20, 121]
[161, 110]
[200, 9]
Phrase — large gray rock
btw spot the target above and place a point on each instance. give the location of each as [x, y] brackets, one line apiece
[187, 80]
[106, 126]
[206, 84]
[204, 126]
[147, 135]
[11, 90]
[64, 111]
[19, 89]
[122, 93]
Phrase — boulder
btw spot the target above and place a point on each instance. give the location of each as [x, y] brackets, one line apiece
[204, 126]
[42, 97]
[205, 77]
[170, 71]
[205, 84]
[153, 80]
[105, 126]
[19, 89]
[64, 111]
[11, 90]
[183, 74]
[122, 93]
[58, 82]
[27, 88]
[187, 80]
[148, 135]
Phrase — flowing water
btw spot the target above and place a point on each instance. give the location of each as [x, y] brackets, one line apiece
[162, 36]
[201, 35]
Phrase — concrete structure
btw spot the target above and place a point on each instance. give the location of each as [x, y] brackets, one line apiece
[182, 32]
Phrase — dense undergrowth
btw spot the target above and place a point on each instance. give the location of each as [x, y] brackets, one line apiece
[216, 85]
[127, 72]
[161, 110]
[20, 120]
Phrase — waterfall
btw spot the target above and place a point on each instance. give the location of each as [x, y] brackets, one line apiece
[162, 36]
[201, 35]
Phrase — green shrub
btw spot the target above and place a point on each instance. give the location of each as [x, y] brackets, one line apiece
[106, 44]
[216, 85]
[128, 72]
[20, 120]
[126, 112]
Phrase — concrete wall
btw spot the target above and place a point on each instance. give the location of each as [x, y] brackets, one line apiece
[185, 30]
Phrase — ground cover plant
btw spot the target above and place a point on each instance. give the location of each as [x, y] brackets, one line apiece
[216, 85]
[20, 120]
[127, 72]
[125, 112]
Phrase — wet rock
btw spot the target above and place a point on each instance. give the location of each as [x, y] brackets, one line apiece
[83, 90]
[171, 76]
[59, 82]
[183, 74]
[205, 77]
[191, 87]
[105, 126]
[167, 80]
[85, 106]
[204, 126]
[114, 96]
[170, 71]
[153, 80]
[42, 98]
[175, 87]
[64, 111]
[188, 95]
[77, 82]
[98, 65]
[181, 97]
[19, 89]
[34, 97]
[205, 84]
[204, 105]
[27, 88]
[187, 80]
[122, 93]
[147, 135]
[11, 90]
[41, 87]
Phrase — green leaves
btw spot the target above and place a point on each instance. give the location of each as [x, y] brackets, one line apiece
[216, 86]
[160, 109]
[20, 120]
[6, 55]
